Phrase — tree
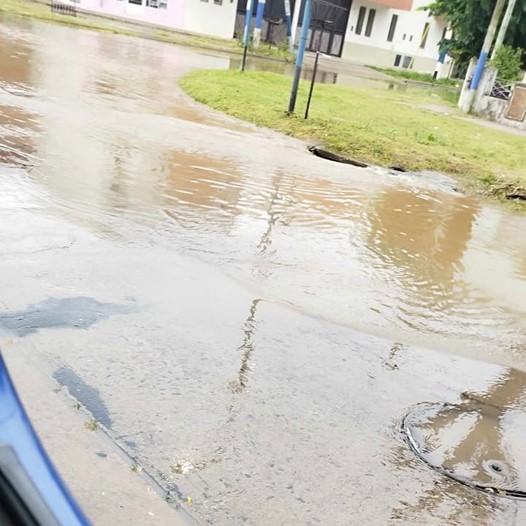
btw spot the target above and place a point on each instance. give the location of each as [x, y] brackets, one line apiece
[508, 61]
[469, 20]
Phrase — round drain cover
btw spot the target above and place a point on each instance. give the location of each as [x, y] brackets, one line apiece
[477, 444]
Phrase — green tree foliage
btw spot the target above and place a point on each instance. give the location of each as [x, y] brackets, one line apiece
[508, 61]
[469, 20]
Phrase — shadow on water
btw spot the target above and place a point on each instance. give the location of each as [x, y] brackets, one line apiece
[78, 313]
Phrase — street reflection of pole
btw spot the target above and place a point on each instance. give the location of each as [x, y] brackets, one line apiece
[246, 33]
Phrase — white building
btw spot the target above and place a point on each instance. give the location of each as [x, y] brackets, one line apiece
[393, 33]
[385, 33]
[207, 17]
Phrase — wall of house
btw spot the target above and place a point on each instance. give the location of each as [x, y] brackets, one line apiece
[377, 50]
[210, 18]
[195, 16]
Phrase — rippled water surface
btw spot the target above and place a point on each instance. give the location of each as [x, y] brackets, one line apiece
[316, 266]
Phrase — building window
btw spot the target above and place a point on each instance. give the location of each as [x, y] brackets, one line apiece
[136, 2]
[424, 35]
[392, 28]
[370, 22]
[218, 2]
[403, 62]
[407, 62]
[361, 19]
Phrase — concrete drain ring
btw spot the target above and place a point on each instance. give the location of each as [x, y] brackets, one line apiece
[471, 443]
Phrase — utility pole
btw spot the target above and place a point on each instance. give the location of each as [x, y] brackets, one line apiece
[305, 25]
[289, 25]
[246, 32]
[295, 21]
[488, 42]
[259, 23]
[504, 27]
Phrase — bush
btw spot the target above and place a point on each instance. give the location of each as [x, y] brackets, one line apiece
[508, 61]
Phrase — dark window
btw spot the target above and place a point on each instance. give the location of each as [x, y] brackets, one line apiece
[392, 28]
[136, 2]
[361, 18]
[407, 62]
[398, 59]
[370, 22]
[424, 36]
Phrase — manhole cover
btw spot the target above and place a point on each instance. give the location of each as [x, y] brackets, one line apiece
[477, 444]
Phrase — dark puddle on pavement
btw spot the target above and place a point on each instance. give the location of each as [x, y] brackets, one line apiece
[74, 313]
[87, 395]
[478, 442]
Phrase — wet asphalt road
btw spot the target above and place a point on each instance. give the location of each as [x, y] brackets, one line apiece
[250, 322]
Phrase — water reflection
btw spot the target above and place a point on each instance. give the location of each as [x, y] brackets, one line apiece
[124, 147]
[477, 442]
[196, 182]
[424, 237]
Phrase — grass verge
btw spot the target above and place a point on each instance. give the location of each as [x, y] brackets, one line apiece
[417, 77]
[41, 11]
[383, 127]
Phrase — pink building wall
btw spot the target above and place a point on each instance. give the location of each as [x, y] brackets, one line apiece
[195, 16]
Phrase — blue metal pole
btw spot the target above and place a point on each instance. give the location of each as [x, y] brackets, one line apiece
[259, 22]
[305, 25]
[288, 21]
[488, 42]
[246, 33]
[475, 81]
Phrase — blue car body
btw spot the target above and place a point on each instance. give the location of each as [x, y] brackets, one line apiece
[31, 490]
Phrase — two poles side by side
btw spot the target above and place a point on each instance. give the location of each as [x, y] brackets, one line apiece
[305, 26]
[488, 43]
[256, 39]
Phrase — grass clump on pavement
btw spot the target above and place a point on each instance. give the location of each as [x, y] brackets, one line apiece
[380, 126]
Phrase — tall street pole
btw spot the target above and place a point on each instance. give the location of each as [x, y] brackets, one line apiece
[488, 42]
[301, 52]
[504, 27]
[246, 33]
[295, 21]
[289, 25]
[259, 23]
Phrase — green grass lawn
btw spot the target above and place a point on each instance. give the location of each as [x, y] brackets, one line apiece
[409, 74]
[379, 126]
[42, 11]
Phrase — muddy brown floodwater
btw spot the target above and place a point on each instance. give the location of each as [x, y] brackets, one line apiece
[288, 311]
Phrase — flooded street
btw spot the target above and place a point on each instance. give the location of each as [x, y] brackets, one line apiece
[249, 322]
